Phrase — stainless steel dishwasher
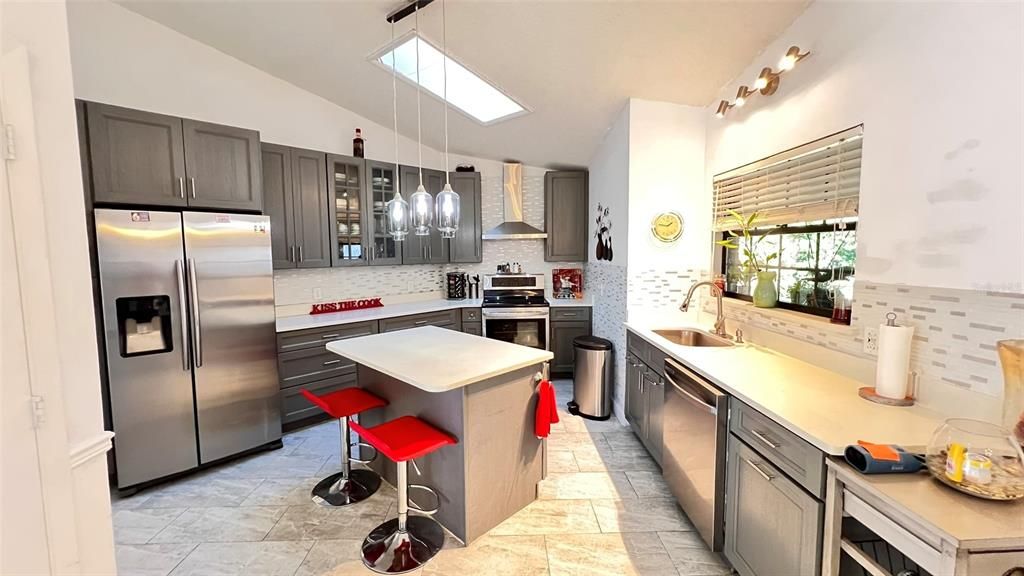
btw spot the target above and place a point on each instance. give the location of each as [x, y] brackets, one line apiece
[695, 436]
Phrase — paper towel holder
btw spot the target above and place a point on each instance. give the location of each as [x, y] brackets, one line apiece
[868, 393]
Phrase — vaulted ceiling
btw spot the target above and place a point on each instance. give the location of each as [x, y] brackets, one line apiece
[573, 63]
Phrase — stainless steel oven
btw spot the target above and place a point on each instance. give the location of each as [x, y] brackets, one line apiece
[514, 309]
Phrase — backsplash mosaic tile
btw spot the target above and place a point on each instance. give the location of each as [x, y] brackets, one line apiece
[606, 284]
[955, 331]
[656, 288]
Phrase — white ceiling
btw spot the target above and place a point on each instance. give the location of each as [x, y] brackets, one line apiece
[574, 63]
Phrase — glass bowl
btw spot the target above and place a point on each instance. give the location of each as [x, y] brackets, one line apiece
[977, 458]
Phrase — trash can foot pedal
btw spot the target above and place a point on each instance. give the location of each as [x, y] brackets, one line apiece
[574, 409]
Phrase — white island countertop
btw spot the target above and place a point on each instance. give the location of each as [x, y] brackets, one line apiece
[819, 405]
[437, 359]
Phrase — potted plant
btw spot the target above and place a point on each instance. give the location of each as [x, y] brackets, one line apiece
[765, 294]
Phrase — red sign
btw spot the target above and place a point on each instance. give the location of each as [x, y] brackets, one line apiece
[346, 306]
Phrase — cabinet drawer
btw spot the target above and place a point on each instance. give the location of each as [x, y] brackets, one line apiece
[995, 563]
[656, 359]
[295, 407]
[473, 328]
[802, 462]
[471, 315]
[310, 364]
[318, 337]
[445, 318]
[581, 313]
[637, 346]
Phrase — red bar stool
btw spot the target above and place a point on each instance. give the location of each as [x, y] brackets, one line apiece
[348, 486]
[404, 543]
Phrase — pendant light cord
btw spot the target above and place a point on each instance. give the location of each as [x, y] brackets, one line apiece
[419, 88]
[394, 106]
[444, 68]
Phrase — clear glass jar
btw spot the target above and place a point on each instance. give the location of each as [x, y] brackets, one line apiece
[1011, 356]
[977, 458]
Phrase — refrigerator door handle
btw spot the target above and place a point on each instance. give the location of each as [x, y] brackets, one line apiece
[183, 312]
[197, 338]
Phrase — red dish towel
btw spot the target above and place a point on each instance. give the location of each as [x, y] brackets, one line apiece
[547, 410]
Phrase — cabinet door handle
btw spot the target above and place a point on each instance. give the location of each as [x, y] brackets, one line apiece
[569, 314]
[300, 252]
[420, 322]
[329, 362]
[761, 436]
[192, 184]
[181, 187]
[329, 336]
[763, 474]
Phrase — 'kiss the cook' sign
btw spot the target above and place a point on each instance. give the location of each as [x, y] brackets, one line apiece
[346, 306]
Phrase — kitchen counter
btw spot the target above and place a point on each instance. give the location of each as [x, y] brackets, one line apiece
[306, 321]
[820, 406]
[436, 359]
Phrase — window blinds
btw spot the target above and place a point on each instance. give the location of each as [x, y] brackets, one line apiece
[816, 181]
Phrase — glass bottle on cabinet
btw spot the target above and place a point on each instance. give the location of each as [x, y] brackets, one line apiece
[380, 185]
[346, 178]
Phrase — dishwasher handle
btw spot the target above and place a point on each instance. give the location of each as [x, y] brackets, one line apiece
[689, 385]
[692, 398]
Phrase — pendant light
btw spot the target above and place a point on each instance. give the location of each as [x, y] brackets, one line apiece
[448, 203]
[422, 202]
[397, 209]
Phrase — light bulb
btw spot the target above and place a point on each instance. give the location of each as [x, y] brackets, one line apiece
[398, 217]
[762, 79]
[422, 211]
[792, 56]
[448, 207]
[723, 107]
[741, 96]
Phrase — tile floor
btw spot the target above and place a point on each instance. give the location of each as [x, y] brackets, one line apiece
[603, 510]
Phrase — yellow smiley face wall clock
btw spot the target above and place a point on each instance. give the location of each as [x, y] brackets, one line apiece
[667, 226]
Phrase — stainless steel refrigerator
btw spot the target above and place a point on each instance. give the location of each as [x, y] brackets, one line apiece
[188, 317]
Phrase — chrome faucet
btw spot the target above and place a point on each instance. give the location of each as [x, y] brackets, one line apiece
[717, 293]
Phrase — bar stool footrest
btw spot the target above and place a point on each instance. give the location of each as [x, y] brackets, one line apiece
[431, 491]
[364, 445]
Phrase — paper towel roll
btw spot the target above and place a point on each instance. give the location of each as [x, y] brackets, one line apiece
[893, 360]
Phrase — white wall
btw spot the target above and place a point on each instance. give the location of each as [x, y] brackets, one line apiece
[939, 88]
[122, 58]
[666, 172]
[53, 273]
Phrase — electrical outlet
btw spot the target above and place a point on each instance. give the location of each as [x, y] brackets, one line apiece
[318, 294]
[871, 341]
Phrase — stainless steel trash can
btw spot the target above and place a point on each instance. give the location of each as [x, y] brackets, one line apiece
[592, 380]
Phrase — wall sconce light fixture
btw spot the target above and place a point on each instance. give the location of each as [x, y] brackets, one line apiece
[767, 81]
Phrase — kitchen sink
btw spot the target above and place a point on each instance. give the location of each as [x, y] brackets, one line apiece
[686, 337]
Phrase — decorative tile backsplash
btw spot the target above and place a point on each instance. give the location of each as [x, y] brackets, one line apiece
[655, 288]
[955, 331]
[606, 285]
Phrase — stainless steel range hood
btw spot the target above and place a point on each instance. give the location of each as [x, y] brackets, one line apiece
[513, 228]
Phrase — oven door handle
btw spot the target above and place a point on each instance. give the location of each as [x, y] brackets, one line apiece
[516, 315]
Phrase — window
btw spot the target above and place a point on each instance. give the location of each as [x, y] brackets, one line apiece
[806, 201]
[467, 91]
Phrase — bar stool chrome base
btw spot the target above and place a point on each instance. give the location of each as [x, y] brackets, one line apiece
[336, 491]
[388, 551]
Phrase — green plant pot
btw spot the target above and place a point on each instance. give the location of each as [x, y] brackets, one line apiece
[765, 294]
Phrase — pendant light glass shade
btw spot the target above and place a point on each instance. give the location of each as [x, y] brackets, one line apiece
[447, 206]
[398, 217]
[422, 211]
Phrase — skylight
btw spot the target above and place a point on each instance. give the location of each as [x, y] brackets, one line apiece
[467, 91]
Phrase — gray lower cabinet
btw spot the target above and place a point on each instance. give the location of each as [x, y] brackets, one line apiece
[136, 157]
[771, 525]
[645, 394]
[566, 216]
[223, 165]
[467, 246]
[298, 204]
[149, 159]
[429, 249]
[451, 319]
[562, 335]
[475, 328]
[303, 362]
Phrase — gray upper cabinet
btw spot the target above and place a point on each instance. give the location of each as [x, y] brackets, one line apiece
[429, 249]
[223, 164]
[295, 187]
[312, 209]
[137, 157]
[379, 184]
[467, 246]
[277, 203]
[771, 525]
[566, 214]
[349, 233]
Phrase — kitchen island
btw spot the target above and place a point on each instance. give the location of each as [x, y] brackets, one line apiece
[482, 392]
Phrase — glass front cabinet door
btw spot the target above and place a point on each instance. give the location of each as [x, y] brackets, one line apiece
[346, 176]
[381, 247]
